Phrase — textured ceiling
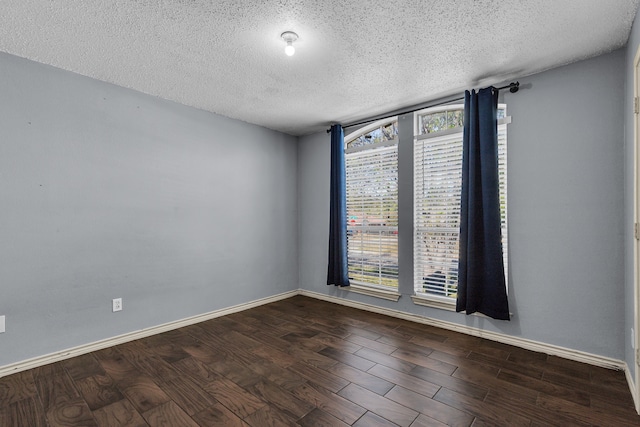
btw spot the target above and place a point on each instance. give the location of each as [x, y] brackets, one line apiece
[354, 59]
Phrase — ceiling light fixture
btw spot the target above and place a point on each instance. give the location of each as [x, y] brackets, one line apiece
[289, 37]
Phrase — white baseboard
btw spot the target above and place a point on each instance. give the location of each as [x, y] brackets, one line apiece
[131, 336]
[506, 339]
[551, 349]
[632, 387]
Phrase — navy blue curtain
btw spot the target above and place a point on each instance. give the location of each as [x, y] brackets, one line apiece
[338, 273]
[481, 281]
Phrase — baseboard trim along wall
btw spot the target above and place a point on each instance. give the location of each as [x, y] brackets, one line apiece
[554, 350]
[135, 335]
[632, 387]
[566, 353]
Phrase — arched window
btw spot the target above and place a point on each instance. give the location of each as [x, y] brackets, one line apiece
[436, 200]
[371, 157]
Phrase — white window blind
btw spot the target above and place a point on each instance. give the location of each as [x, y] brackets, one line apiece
[371, 158]
[437, 190]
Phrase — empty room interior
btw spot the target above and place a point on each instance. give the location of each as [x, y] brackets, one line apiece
[180, 181]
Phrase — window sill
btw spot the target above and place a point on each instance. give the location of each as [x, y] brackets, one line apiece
[441, 303]
[373, 292]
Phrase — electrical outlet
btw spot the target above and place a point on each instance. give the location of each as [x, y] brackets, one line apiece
[1, 324]
[117, 304]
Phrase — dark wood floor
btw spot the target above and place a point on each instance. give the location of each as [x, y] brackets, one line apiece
[306, 362]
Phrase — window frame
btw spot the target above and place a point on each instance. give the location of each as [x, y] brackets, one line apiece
[434, 299]
[359, 151]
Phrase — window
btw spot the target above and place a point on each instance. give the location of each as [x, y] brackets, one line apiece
[371, 157]
[437, 189]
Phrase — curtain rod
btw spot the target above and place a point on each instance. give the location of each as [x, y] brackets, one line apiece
[513, 88]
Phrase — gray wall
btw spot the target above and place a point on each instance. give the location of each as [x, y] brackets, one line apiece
[632, 48]
[565, 197]
[109, 193]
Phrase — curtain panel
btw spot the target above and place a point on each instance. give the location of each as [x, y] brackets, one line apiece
[338, 270]
[481, 278]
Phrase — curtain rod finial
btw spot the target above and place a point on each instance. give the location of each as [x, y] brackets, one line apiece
[514, 87]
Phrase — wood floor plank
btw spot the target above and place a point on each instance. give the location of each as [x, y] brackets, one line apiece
[420, 331]
[83, 366]
[532, 384]
[370, 343]
[588, 386]
[330, 329]
[238, 400]
[422, 359]
[143, 393]
[443, 347]
[73, 412]
[174, 340]
[425, 421]
[436, 411]
[320, 377]
[319, 418]
[347, 358]
[335, 342]
[116, 365]
[25, 412]
[187, 394]
[386, 408]
[498, 363]
[217, 415]
[385, 359]
[98, 391]
[54, 388]
[333, 404]
[168, 414]
[280, 398]
[17, 387]
[568, 367]
[169, 351]
[578, 412]
[121, 413]
[361, 378]
[489, 413]
[489, 381]
[311, 358]
[607, 378]
[372, 420]
[270, 416]
[493, 349]
[523, 405]
[241, 374]
[278, 357]
[307, 341]
[303, 361]
[284, 378]
[405, 380]
[207, 354]
[452, 383]
[623, 409]
[196, 370]
[462, 362]
[404, 344]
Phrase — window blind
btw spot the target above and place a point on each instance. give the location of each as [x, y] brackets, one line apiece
[372, 213]
[437, 190]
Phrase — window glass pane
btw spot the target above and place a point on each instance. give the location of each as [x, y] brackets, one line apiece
[372, 207]
[437, 189]
[386, 132]
[439, 121]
